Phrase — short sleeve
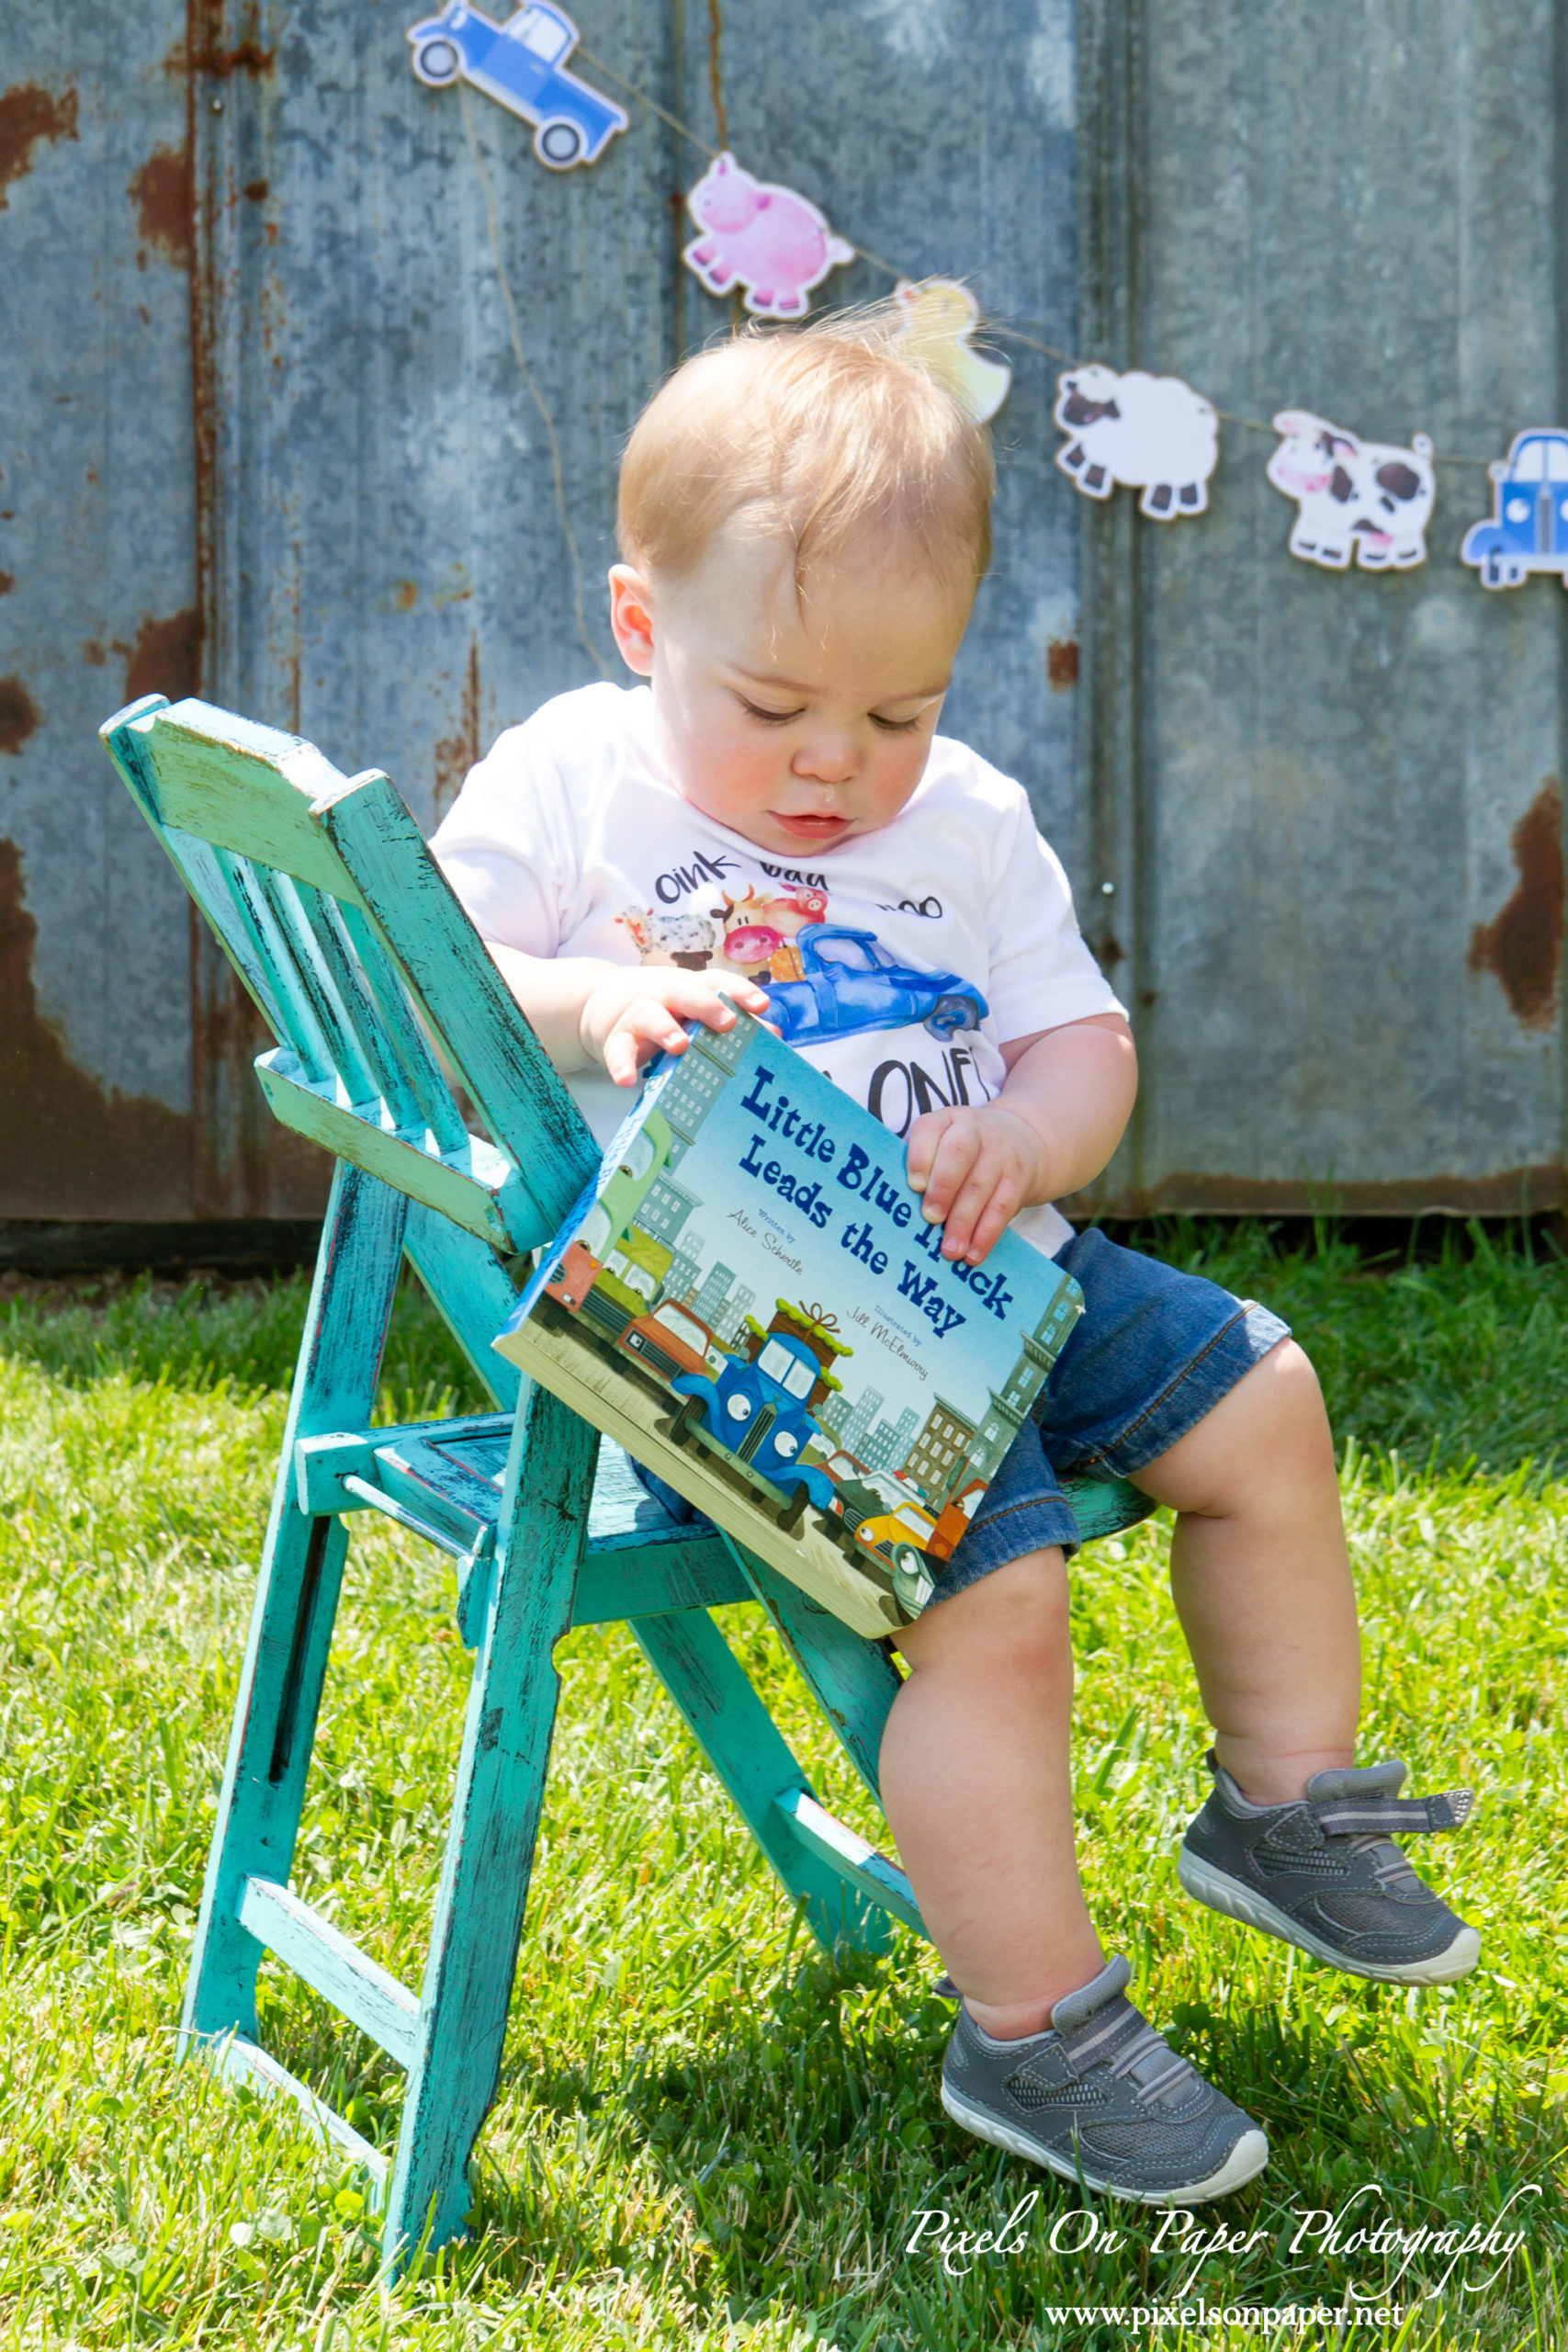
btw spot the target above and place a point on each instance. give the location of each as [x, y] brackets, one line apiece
[503, 847]
[1042, 973]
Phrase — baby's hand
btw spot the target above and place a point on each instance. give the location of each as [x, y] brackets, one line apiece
[632, 1014]
[976, 1168]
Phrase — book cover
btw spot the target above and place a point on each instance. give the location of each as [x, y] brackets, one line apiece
[751, 1253]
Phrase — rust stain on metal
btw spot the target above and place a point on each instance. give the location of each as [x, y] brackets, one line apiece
[457, 753]
[1523, 943]
[202, 51]
[20, 715]
[67, 1148]
[256, 191]
[166, 657]
[161, 192]
[1062, 663]
[7, 582]
[27, 116]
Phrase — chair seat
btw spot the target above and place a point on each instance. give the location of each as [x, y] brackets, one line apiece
[444, 1479]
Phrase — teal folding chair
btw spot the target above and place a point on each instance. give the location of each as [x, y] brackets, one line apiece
[396, 1040]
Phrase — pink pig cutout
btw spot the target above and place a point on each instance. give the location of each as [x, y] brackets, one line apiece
[761, 236]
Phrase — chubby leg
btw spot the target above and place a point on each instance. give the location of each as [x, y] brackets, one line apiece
[977, 1788]
[1261, 1578]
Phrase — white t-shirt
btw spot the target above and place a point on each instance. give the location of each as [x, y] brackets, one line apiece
[898, 962]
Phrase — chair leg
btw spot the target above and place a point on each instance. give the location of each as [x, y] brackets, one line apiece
[742, 1743]
[854, 1681]
[296, 1603]
[472, 1292]
[495, 1817]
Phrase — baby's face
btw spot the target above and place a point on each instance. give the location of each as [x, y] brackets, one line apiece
[794, 720]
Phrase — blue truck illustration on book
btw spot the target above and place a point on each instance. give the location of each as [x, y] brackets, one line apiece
[751, 1251]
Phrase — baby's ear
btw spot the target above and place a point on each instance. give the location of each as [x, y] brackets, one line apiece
[631, 617]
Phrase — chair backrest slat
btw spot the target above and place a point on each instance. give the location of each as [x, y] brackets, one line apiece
[294, 1019]
[359, 1007]
[212, 876]
[531, 1118]
[425, 1079]
[349, 1065]
[346, 934]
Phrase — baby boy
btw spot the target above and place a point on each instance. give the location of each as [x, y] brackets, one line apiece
[805, 518]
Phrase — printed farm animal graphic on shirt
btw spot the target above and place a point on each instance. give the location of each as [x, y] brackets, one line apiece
[760, 932]
[753, 934]
[1154, 433]
[662, 937]
[761, 235]
[1528, 528]
[1370, 499]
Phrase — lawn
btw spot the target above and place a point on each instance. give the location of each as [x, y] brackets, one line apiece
[708, 2134]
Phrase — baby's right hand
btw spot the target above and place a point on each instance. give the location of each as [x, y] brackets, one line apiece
[634, 1012]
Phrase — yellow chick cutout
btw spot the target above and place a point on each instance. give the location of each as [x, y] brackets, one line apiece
[939, 316]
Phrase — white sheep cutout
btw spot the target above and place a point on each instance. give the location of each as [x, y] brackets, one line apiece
[1151, 432]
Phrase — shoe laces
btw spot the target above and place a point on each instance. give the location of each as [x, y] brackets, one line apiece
[1117, 2038]
[1391, 1866]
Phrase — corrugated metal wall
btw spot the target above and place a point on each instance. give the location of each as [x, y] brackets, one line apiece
[264, 420]
[1329, 802]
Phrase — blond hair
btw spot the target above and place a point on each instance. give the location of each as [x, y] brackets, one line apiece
[829, 437]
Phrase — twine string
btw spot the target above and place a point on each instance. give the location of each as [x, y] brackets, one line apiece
[998, 329]
[557, 470]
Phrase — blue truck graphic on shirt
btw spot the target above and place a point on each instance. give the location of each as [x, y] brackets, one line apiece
[850, 983]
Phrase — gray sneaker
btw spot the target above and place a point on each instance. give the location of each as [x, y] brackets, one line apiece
[1324, 1874]
[1102, 2098]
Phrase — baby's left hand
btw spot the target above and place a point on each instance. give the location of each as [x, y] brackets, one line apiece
[976, 1169]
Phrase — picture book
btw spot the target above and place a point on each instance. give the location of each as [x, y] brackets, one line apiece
[752, 1265]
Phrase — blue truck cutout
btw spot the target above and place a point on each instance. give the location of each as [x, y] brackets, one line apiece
[758, 1414]
[850, 983]
[522, 65]
[1528, 528]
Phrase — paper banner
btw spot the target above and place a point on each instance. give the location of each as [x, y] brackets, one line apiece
[1528, 529]
[761, 236]
[1153, 433]
[939, 316]
[1369, 499]
[522, 65]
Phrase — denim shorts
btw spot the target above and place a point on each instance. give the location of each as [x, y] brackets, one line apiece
[1152, 1352]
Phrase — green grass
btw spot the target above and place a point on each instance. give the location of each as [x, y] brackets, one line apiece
[708, 2134]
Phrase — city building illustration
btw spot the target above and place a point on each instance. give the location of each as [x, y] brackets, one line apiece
[940, 1449]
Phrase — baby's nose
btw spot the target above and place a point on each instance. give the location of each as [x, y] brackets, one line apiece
[831, 760]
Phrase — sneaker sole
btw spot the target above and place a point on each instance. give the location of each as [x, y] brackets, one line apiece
[1222, 1892]
[1244, 2162]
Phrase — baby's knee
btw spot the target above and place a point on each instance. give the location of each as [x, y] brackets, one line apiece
[1012, 1623]
[1291, 1395]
